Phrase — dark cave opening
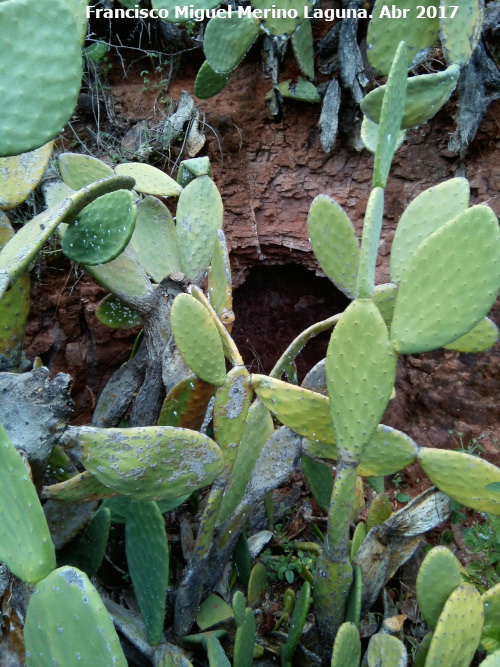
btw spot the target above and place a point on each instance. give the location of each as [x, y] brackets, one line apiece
[273, 306]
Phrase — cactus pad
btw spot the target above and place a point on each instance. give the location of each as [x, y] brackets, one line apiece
[302, 91]
[149, 462]
[115, 314]
[370, 242]
[425, 95]
[123, 276]
[429, 211]
[386, 650]
[102, 230]
[483, 336]
[67, 624]
[388, 451]
[449, 284]
[199, 216]
[385, 299]
[19, 175]
[192, 168]
[148, 568]
[281, 25]
[296, 623]
[14, 309]
[83, 486]
[334, 243]
[227, 40]
[231, 405]
[208, 83]
[302, 43]
[79, 11]
[219, 277]
[437, 578]
[360, 374]
[245, 640]
[149, 179]
[319, 480]
[458, 630]
[77, 170]
[386, 32]
[460, 34]
[91, 546]
[40, 72]
[25, 543]
[186, 404]
[154, 240]
[197, 339]
[391, 115]
[462, 477]
[369, 135]
[347, 647]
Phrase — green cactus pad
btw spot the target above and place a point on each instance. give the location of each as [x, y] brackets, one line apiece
[245, 640]
[14, 310]
[334, 243]
[429, 211]
[119, 506]
[302, 91]
[199, 216]
[282, 23]
[370, 243]
[384, 297]
[231, 405]
[437, 578]
[347, 647]
[115, 314]
[422, 650]
[197, 339]
[353, 608]
[296, 623]
[77, 170]
[123, 276]
[213, 610]
[243, 567]
[380, 510]
[388, 451]
[258, 428]
[358, 538]
[79, 11]
[257, 582]
[227, 40]
[369, 135]
[387, 651]
[302, 43]
[238, 606]
[149, 462]
[208, 83]
[25, 543]
[360, 374]
[40, 72]
[459, 35]
[462, 477]
[149, 179]
[83, 486]
[425, 95]
[91, 546]
[154, 240]
[449, 284]
[192, 168]
[458, 630]
[386, 32]
[102, 230]
[177, 17]
[67, 624]
[186, 404]
[492, 660]
[483, 336]
[148, 568]
[219, 276]
[391, 115]
[332, 582]
[215, 652]
[20, 174]
[319, 480]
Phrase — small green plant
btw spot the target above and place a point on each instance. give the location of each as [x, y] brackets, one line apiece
[483, 538]
[472, 447]
[286, 565]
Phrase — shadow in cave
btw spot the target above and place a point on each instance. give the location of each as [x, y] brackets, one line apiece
[274, 305]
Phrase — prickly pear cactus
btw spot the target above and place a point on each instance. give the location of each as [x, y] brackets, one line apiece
[67, 624]
[226, 41]
[19, 175]
[347, 647]
[437, 578]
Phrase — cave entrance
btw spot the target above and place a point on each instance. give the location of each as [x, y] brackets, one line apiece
[274, 305]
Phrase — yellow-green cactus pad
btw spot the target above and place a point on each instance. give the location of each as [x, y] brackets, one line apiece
[282, 20]
[425, 95]
[77, 170]
[115, 314]
[385, 299]
[79, 10]
[468, 480]
[197, 339]
[392, 23]
[438, 576]
[302, 44]
[227, 40]
[302, 91]
[429, 211]
[231, 405]
[148, 462]
[149, 179]
[208, 83]
[25, 543]
[460, 29]
[154, 240]
[219, 278]
[83, 486]
[123, 276]
[369, 135]
[360, 374]
[40, 72]
[20, 174]
[449, 283]
[483, 336]
[334, 243]
[68, 624]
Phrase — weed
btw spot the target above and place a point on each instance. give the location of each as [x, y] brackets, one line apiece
[484, 538]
